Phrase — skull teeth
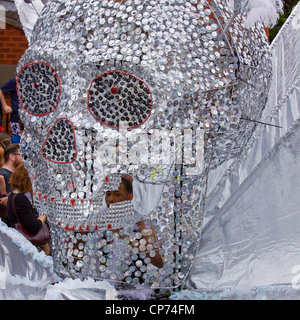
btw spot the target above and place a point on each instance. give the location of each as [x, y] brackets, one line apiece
[60, 145]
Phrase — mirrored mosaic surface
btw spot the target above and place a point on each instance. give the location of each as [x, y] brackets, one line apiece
[127, 105]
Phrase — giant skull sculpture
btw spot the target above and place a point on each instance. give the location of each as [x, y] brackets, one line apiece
[157, 90]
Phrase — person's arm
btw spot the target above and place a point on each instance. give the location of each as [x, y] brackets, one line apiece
[6, 108]
[3, 194]
[157, 259]
[2, 187]
[26, 215]
[43, 218]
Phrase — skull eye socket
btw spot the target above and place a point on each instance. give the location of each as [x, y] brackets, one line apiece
[38, 87]
[117, 98]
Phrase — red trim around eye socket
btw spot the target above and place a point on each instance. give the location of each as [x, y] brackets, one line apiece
[75, 148]
[114, 91]
[59, 83]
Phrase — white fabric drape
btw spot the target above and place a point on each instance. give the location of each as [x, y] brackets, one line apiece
[250, 246]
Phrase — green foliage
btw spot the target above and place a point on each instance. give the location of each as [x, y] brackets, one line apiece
[288, 8]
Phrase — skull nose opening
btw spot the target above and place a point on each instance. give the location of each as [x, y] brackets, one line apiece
[60, 144]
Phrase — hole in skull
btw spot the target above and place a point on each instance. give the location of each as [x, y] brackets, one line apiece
[60, 145]
[38, 87]
[119, 100]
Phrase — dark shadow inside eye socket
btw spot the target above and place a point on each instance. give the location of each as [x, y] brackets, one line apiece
[39, 89]
[119, 100]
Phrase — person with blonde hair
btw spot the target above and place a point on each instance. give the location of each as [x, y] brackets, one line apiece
[24, 210]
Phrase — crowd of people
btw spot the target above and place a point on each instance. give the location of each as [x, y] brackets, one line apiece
[16, 191]
[15, 185]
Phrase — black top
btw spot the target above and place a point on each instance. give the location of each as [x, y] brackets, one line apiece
[11, 88]
[6, 174]
[25, 211]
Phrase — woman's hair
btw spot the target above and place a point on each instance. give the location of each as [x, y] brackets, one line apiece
[11, 149]
[20, 180]
[1, 154]
[127, 183]
[4, 142]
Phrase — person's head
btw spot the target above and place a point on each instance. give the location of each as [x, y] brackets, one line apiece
[4, 140]
[19, 180]
[123, 193]
[12, 155]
